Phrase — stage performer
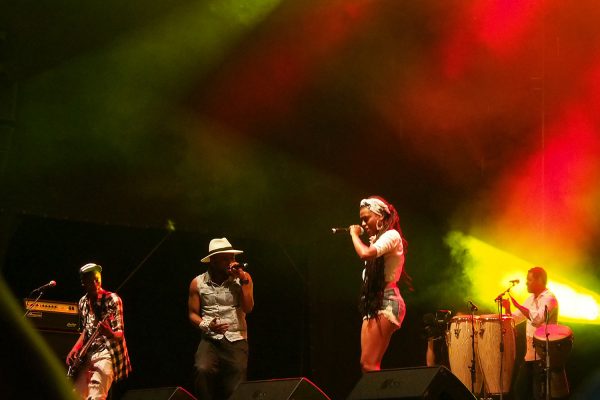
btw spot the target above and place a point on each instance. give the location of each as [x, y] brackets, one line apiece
[102, 339]
[533, 310]
[218, 302]
[381, 304]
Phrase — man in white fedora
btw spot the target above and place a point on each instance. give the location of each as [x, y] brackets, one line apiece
[218, 302]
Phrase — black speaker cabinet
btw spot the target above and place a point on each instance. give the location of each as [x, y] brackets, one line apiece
[59, 341]
[411, 383]
[279, 389]
[165, 393]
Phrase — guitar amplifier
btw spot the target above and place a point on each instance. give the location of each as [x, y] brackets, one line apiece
[53, 315]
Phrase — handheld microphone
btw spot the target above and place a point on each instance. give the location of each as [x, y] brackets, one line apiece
[44, 287]
[242, 266]
[338, 230]
[515, 281]
[473, 306]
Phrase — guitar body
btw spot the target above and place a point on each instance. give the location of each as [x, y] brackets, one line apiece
[79, 359]
[74, 367]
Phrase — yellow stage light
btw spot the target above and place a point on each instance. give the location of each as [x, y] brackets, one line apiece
[490, 271]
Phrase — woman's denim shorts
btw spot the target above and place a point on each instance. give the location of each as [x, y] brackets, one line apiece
[392, 306]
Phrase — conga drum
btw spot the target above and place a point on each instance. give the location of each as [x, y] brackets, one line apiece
[497, 367]
[460, 351]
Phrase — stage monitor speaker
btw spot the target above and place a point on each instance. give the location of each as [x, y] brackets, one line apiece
[411, 383]
[165, 393]
[279, 389]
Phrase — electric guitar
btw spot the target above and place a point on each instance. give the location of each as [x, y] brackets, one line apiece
[80, 357]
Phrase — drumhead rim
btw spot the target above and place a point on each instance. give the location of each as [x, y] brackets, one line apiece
[560, 332]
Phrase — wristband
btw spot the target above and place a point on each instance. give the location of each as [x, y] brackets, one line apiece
[244, 282]
[204, 326]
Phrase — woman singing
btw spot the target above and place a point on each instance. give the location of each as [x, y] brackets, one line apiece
[384, 266]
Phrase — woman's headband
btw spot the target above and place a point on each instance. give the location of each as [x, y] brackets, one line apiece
[375, 205]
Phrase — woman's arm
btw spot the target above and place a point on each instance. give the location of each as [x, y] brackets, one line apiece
[366, 253]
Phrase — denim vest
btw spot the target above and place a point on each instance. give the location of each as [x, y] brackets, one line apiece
[223, 302]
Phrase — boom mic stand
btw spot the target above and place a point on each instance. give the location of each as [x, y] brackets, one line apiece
[502, 332]
[32, 304]
[501, 345]
[472, 368]
[501, 295]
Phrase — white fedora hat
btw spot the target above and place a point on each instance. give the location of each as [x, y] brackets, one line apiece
[220, 245]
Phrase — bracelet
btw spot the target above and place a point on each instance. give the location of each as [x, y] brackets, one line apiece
[244, 282]
[204, 326]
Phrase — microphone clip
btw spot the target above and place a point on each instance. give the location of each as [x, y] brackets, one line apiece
[512, 284]
[473, 307]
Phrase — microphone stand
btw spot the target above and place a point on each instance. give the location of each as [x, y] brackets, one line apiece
[30, 307]
[499, 301]
[501, 295]
[502, 332]
[472, 368]
[547, 367]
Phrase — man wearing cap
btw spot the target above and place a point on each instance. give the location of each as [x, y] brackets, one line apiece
[218, 302]
[101, 319]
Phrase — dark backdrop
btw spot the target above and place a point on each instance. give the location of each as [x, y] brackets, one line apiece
[267, 122]
[305, 322]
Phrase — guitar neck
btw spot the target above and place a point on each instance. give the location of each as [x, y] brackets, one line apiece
[92, 338]
[78, 361]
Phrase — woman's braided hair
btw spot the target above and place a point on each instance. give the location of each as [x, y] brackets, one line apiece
[374, 282]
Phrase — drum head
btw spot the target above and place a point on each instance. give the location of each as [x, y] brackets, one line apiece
[494, 317]
[560, 343]
[555, 332]
[461, 318]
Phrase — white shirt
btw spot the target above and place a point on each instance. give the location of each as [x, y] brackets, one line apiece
[536, 306]
[390, 246]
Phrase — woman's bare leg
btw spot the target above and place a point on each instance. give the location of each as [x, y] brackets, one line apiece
[374, 339]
